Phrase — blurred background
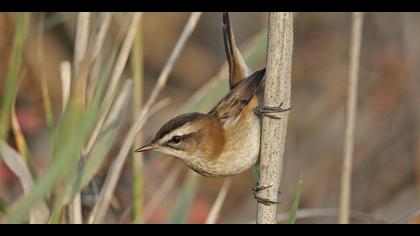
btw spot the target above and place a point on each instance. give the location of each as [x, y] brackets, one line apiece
[386, 174]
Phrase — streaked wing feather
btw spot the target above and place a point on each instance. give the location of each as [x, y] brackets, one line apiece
[231, 106]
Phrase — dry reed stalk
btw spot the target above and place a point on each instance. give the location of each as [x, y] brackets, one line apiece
[81, 40]
[277, 91]
[217, 205]
[351, 113]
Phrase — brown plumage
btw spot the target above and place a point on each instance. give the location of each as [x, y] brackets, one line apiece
[226, 140]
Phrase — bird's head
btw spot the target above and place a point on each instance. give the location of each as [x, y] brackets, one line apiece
[188, 136]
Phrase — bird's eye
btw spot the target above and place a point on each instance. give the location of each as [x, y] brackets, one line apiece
[176, 139]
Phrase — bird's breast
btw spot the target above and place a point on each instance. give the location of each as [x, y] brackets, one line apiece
[240, 150]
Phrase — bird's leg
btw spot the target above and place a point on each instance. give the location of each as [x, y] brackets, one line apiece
[265, 110]
[257, 187]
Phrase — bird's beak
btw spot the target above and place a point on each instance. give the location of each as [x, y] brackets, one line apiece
[147, 147]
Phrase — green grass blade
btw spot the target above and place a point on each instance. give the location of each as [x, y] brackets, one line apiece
[13, 72]
[98, 154]
[95, 159]
[295, 204]
[137, 165]
[3, 205]
[100, 88]
[46, 100]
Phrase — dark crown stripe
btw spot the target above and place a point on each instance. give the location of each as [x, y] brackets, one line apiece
[176, 123]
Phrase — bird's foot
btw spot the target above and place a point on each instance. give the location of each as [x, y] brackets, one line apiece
[262, 200]
[265, 110]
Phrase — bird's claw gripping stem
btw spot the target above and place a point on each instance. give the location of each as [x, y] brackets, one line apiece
[262, 200]
[265, 110]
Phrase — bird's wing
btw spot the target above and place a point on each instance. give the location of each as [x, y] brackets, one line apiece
[238, 69]
[230, 107]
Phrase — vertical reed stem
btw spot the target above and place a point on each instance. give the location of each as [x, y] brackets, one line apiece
[277, 90]
[351, 110]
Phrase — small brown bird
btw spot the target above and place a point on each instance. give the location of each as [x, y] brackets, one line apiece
[225, 141]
